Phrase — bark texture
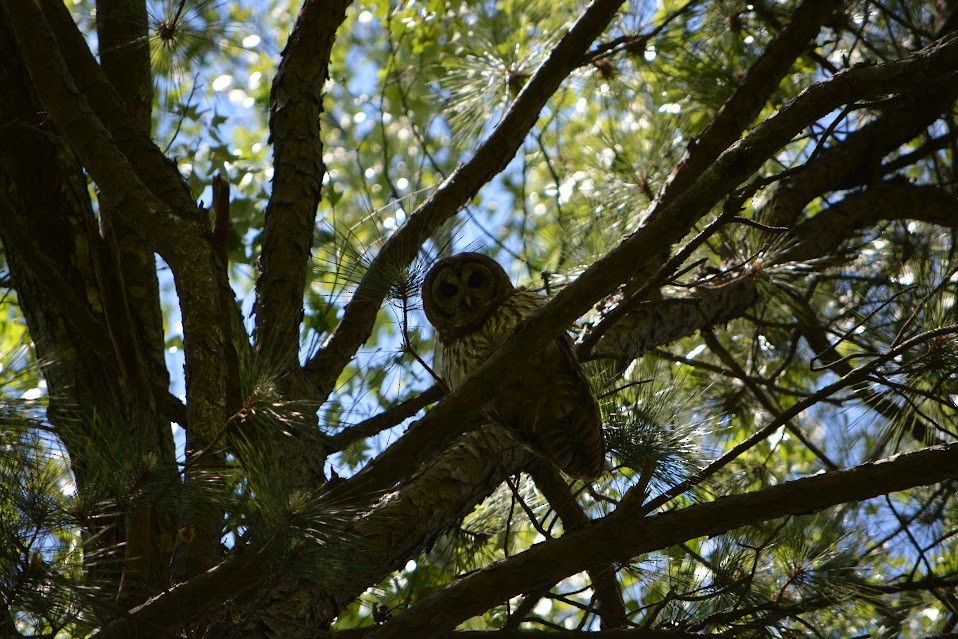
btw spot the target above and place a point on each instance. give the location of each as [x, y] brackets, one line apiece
[86, 282]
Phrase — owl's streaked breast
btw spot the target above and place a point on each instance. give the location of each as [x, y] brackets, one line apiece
[462, 356]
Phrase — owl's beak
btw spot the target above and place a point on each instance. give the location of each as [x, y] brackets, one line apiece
[467, 301]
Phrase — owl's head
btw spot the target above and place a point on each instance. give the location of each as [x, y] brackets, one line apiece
[461, 291]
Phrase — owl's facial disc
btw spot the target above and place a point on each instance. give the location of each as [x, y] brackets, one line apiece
[475, 289]
[462, 291]
[451, 293]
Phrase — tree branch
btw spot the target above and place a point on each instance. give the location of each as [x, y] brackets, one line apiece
[185, 601]
[445, 420]
[659, 322]
[394, 530]
[769, 18]
[856, 160]
[182, 237]
[655, 323]
[411, 518]
[91, 140]
[781, 609]
[129, 291]
[603, 576]
[158, 172]
[620, 538]
[823, 234]
[882, 404]
[66, 288]
[296, 103]
[490, 158]
[8, 623]
[386, 419]
[87, 326]
[849, 380]
[122, 35]
[741, 109]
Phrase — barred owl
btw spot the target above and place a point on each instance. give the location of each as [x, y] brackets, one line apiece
[551, 408]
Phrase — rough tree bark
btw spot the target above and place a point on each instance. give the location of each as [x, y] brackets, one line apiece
[90, 296]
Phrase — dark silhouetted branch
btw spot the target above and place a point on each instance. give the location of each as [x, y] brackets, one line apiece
[620, 538]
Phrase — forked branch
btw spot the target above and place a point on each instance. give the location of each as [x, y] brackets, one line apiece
[490, 158]
[620, 538]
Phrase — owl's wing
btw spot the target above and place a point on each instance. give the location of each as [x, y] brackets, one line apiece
[554, 412]
[570, 423]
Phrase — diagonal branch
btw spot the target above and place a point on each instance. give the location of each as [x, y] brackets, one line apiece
[856, 160]
[93, 142]
[180, 236]
[393, 531]
[158, 172]
[88, 326]
[823, 234]
[8, 623]
[104, 104]
[490, 158]
[767, 613]
[816, 336]
[620, 538]
[386, 419]
[851, 379]
[296, 102]
[445, 420]
[186, 600]
[603, 576]
[740, 110]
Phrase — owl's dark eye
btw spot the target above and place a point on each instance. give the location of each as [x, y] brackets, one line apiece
[476, 279]
[448, 289]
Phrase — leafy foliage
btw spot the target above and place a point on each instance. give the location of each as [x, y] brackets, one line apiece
[791, 313]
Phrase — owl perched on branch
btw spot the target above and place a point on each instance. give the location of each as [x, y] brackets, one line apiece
[551, 408]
